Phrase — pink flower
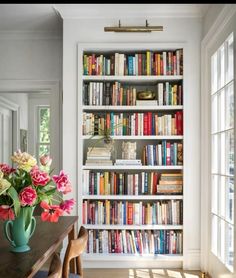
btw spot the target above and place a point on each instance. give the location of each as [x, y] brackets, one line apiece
[45, 160]
[50, 213]
[62, 182]
[67, 205]
[6, 213]
[27, 196]
[6, 169]
[39, 177]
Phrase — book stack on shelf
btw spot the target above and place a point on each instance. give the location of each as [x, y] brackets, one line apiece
[98, 156]
[133, 207]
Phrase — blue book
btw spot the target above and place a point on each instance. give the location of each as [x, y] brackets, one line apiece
[172, 155]
[154, 155]
[146, 183]
[112, 124]
[130, 65]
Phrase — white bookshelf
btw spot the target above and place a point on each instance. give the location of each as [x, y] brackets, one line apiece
[98, 259]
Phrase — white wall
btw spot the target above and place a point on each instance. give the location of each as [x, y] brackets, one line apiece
[187, 30]
[20, 99]
[30, 59]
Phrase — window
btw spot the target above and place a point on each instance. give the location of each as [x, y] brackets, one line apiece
[222, 159]
[43, 138]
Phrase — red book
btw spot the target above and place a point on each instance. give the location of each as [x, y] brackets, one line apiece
[161, 64]
[139, 64]
[168, 160]
[136, 124]
[130, 214]
[145, 124]
[149, 127]
[139, 243]
[155, 178]
[179, 122]
[108, 120]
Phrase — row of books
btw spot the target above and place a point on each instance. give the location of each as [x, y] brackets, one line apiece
[142, 183]
[167, 212]
[137, 124]
[165, 153]
[108, 93]
[135, 242]
[148, 63]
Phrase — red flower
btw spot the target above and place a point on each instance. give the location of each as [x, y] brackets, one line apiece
[27, 196]
[67, 205]
[6, 169]
[6, 213]
[39, 177]
[62, 182]
[51, 213]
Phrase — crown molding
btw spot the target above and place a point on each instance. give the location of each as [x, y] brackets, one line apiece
[101, 11]
[26, 35]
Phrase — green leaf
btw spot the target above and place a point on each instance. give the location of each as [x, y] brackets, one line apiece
[16, 202]
[27, 214]
[50, 192]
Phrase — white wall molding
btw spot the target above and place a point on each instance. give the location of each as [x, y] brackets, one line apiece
[115, 11]
[26, 35]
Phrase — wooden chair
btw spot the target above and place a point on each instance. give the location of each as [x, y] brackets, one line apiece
[74, 249]
[55, 269]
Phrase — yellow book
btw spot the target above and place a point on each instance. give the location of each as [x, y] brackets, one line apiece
[106, 183]
[148, 63]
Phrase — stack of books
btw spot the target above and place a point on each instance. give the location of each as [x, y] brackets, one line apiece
[98, 156]
[170, 183]
[133, 162]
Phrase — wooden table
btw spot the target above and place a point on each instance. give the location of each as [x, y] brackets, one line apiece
[44, 242]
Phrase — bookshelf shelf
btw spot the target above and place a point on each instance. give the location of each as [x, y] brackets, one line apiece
[128, 167]
[133, 227]
[98, 94]
[132, 197]
[144, 137]
[132, 108]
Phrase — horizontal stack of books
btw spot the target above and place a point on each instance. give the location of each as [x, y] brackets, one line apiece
[170, 183]
[98, 156]
[134, 162]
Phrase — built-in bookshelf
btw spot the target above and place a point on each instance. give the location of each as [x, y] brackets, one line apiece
[132, 211]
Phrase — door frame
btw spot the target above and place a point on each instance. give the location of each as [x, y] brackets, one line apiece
[213, 37]
[35, 86]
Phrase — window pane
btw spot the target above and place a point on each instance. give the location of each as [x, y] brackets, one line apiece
[222, 153]
[214, 194]
[214, 155]
[230, 59]
[44, 137]
[214, 116]
[222, 240]
[44, 120]
[222, 66]
[214, 73]
[222, 195]
[229, 106]
[44, 149]
[229, 245]
[222, 109]
[214, 234]
[230, 152]
[229, 199]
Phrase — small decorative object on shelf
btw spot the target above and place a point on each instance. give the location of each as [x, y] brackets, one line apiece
[146, 95]
[24, 187]
[129, 150]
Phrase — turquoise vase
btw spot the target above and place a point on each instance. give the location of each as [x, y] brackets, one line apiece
[19, 231]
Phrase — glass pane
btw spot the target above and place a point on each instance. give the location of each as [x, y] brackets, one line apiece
[214, 115]
[222, 240]
[44, 149]
[44, 120]
[222, 109]
[214, 234]
[222, 195]
[222, 153]
[229, 106]
[230, 152]
[230, 59]
[229, 245]
[214, 155]
[214, 194]
[222, 66]
[214, 73]
[229, 199]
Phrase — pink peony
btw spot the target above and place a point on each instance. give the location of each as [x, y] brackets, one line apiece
[62, 182]
[6, 169]
[50, 213]
[6, 213]
[39, 177]
[27, 196]
[46, 160]
[67, 205]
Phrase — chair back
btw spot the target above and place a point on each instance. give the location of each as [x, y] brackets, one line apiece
[55, 270]
[74, 249]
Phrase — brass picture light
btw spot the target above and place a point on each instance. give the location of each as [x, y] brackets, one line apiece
[121, 29]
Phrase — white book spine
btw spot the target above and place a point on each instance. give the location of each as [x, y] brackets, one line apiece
[160, 93]
[164, 63]
[101, 94]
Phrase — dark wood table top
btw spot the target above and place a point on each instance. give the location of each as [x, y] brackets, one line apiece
[45, 240]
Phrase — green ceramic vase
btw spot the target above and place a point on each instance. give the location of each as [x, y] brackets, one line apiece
[19, 231]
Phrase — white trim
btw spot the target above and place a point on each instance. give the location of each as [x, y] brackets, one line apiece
[29, 35]
[117, 11]
[192, 259]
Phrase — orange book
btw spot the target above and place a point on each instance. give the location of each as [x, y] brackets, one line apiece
[102, 184]
[158, 64]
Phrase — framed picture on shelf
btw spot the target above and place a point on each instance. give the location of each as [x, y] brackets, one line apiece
[23, 140]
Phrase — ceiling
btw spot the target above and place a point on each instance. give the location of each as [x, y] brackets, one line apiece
[44, 18]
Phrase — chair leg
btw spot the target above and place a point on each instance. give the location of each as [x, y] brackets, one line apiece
[79, 266]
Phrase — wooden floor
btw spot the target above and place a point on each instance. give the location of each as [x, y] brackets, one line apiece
[140, 273]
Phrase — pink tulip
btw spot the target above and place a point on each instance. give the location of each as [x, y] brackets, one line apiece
[6, 169]
[27, 196]
[51, 213]
[39, 177]
[6, 213]
[67, 205]
[62, 182]
[45, 160]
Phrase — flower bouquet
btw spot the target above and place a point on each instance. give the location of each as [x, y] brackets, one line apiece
[30, 184]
